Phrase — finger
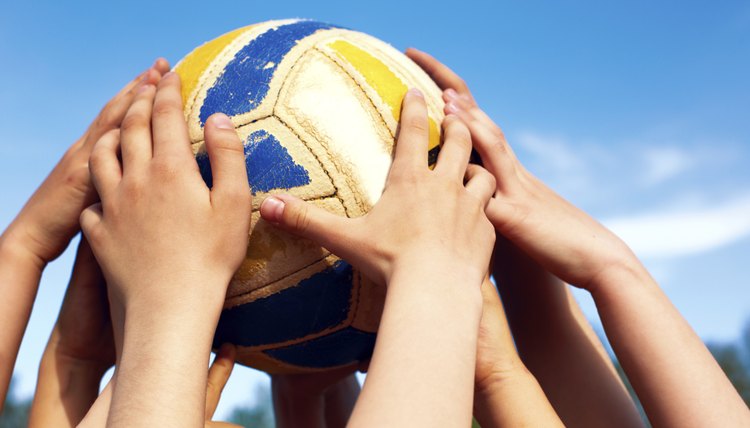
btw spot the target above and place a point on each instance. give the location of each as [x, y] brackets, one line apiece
[111, 115]
[454, 155]
[480, 183]
[218, 375]
[161, 65]
[226, 154]
[496, 155]
[104, 165]
[169, 126]
[443, 76]
[461, 105]
[307, 221]
[91, 219]
[411, 146]
[135, 135]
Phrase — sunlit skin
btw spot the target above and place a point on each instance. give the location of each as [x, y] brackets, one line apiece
[677, 389]
[180, 241]
[432, 255]
[49, 220]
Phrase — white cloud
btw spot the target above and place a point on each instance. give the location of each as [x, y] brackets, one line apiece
[666, 234]
[663, 163]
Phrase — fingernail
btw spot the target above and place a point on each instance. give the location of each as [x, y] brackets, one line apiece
[452, 108]
[156, 62]
[451, 93]
[169, 75]
[222, 121]
[272, 209]
[414, 92]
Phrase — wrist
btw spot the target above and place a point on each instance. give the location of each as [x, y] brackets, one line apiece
[625, 272]
[501, 377]
[16, 248]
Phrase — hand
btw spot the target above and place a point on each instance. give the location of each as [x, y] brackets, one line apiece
[157, 213]
[79, 350]
[423, 216]
[497, 359]
[168, 246]
[218, 375]
[428, 240]
[560, 237]
[68, 190]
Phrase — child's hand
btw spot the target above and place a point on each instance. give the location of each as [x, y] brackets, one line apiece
[423, 217]
[563, 239]
[49, 219]
[168, 246]
[158, 224]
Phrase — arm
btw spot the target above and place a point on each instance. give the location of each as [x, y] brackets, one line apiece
[47, 222]
[432, 262]
[644, 328]
[168, 246]
[323, 399]
[543, 316]
[79, 350]
[559, 346]
[506, 393]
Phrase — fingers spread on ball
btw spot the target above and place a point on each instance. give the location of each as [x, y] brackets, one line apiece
[227, 156]
[306, 220]
[413, 135]
[135, 138]
[104, 165]
[170, 130]
[456, 150]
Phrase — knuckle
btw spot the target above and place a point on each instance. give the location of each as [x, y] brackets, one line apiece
[300, 219]
[133, 121]
[417, 123]
[166, 167]
[165, 108]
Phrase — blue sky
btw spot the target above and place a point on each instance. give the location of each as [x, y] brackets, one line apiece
[637, 112]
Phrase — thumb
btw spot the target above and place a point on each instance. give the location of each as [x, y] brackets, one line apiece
[306, 220]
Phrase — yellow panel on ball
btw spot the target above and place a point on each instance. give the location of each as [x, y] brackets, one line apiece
[317, 107]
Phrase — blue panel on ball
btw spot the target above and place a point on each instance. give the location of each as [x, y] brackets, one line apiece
[244, 82]
[269, 165]
[315, 304]
[337, 349]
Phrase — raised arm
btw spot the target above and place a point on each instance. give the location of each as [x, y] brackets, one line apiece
[428, 241]
[676, 378]
[168, 246]
[45, 225]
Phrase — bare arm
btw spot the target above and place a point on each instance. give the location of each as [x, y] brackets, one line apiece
[47, 222]
[432, 266]
[559, 346]
[506, 393]
[674, 375]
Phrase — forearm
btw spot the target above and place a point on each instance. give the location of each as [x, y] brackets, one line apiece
[514, 400]
[294, 408]
[426, 345]
[340, 400]
[66, 389]
[670, 368]
[559, 346]
[157, 380]
[20, 272]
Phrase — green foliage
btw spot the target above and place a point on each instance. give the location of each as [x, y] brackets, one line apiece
[734, 359]
[15, 413]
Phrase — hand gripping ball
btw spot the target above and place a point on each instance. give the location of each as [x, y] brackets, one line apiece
[317, 107]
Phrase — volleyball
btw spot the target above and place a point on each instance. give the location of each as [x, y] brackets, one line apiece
[317, 107]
